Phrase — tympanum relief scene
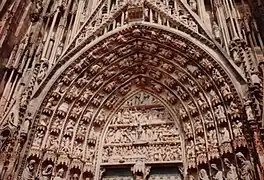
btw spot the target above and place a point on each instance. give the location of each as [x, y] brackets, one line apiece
[131, 90]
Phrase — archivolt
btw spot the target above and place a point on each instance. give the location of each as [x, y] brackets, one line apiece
[198, 88]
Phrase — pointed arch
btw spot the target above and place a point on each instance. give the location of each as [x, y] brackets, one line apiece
[81, 92]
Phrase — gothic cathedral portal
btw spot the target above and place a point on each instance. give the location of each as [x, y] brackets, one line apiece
[134, 90]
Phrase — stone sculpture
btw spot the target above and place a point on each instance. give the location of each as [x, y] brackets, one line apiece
[47, 172]
[28, 173]
[59, 175]
[203, 175]
[231, 173]
[245, 167]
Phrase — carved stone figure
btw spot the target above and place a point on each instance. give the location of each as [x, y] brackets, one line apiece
[245, 167]
[225, 135]
[226, 91]
[198, 125]
[50, 103]
[202, 101]
[193, 5]
[217, 76]
[188, 129]
[92, 134]
[200, 145]
[231, 173]
[26, 124]
[209, 121]
[214, 97]
[249, 112]
[216, 31]
[212, 138]
[59, 50]
[183, 113]
[66, 144]
[70, 125]
[59, 175]
[203, 175]
[190, 150]
[38, 138]
[28, 173]
[237, 129]
[220, 113]
[52, 143]
[192, 108]
[233, 110]
[218, 175]
[47, 172]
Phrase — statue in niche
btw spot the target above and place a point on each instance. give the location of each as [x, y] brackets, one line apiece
[225, 135]
[77, 109]
[245, 167]
[38, 138]
[212, 138]
[200, 145]
[233, 110]
[188, 127]
[50, 103]
[77, 150]
[192, 107]
[198, 125]
[216, 31]
[214, 97]
[47, 172]
[225, 89]
[190, 150]
[237, 129]
[57, 123]
[216, 75]
[208, 118]
[220, 113]
[202, 101]
[193, 5]
[52, 143]
[60, 88]
[59, 49]
[217, 174]
[28, 173]
[74, 91]
[59, 175]
[249, 112]
[66, 143]
[231, 173]
[70, 126]
[92, 134]
[203, 175]
[183, 113]
[25, 125]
